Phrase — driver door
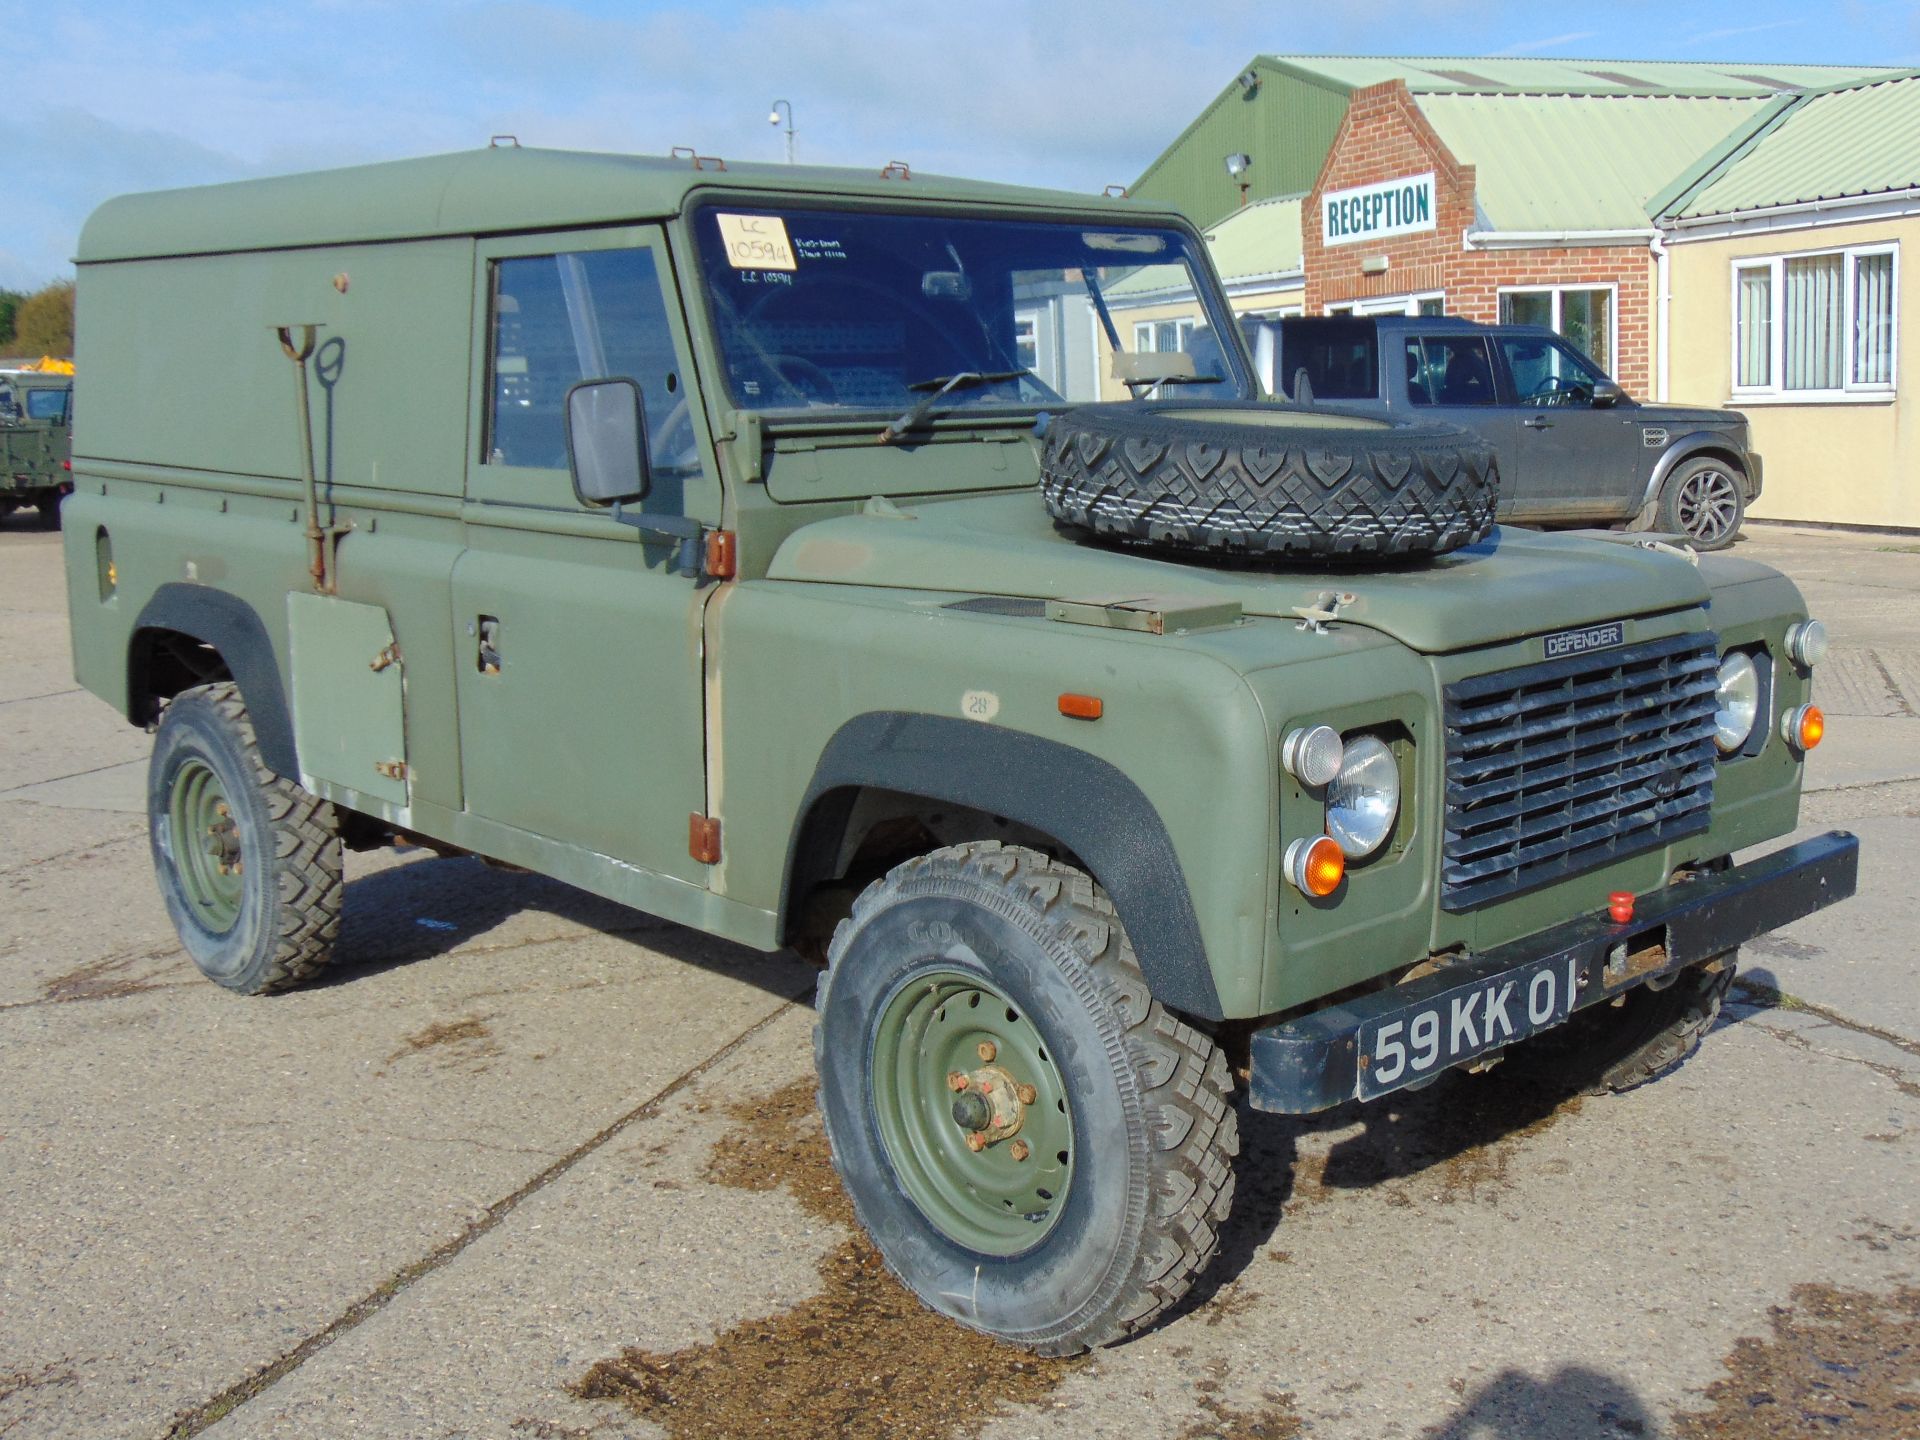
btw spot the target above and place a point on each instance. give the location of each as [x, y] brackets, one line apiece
[1571, 459]
[576, 637]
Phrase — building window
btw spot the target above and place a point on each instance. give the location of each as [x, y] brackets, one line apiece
[1815, 326]
[1582, 313]
[1431, 302]
[1159, 336]
[1026, 339]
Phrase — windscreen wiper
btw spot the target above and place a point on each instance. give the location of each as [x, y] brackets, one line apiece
[943, 386]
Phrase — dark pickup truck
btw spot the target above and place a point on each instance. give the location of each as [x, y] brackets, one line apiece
[1574, 448]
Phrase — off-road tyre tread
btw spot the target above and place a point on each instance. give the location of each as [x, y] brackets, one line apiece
[1605, 1051]
[1142, 474]
[1185, 1086]
[309, 866]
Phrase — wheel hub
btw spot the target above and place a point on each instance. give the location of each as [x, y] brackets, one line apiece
[973, 1112]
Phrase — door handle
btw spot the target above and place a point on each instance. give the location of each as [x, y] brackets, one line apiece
[487, 660]
[1537, 422]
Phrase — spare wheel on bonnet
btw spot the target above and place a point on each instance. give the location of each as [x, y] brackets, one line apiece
[1267, 480]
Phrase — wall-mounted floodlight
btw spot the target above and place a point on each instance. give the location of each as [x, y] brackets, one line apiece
[1237, 164]
[1249, 81]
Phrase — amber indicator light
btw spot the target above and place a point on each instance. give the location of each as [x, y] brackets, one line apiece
[1813, 727]
[1325, 867]
[1082, 707]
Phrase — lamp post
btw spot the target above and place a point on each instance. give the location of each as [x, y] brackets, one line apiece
[773, 118]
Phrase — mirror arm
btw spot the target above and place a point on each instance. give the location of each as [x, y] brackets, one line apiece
[683, 528]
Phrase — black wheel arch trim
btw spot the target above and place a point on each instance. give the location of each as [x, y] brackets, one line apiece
[230, 626]
[1695, 445]
[1082, 801]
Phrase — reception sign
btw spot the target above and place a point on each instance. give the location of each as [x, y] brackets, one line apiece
[1374, 212]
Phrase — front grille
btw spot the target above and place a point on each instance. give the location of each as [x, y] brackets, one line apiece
[1557, 768]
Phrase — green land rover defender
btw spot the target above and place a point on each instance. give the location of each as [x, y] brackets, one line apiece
[36, 437]
[910, 572]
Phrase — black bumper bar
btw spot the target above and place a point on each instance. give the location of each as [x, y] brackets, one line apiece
[1407, 1034]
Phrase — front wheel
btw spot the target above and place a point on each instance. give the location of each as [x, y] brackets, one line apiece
[1038, 1148]
[1641, 1036]
[249, 863]
[1704, 500]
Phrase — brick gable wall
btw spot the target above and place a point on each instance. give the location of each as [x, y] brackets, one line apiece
[1384, 136]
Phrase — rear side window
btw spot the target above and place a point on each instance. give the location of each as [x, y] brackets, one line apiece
[1342, 361]
[47, 404]
[1450, 370]
[561, 319]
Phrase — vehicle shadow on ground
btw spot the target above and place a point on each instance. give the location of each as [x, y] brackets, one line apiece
[429, 906]
[1573, 1401]
[1452, 1134]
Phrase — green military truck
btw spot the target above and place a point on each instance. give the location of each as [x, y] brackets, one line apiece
[36, 438]
[809, 557]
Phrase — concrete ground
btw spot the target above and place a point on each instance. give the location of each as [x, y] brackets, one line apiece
[525, 1147]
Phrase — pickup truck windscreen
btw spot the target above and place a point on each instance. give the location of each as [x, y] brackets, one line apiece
[858, 311]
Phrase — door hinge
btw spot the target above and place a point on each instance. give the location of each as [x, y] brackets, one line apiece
[392, 769]
[723, 554]
[703, 838]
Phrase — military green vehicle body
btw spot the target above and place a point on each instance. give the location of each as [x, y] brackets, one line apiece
[36, 437]
[507, 670]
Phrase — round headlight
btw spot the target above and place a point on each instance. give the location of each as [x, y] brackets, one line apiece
[1737, 702]
[1807, 643]
[1364, 797]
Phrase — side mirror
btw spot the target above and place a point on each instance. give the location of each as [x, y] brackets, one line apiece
[607, 441]
[1607, 393]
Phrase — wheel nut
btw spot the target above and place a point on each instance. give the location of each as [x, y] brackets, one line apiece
[987, 1050]
[1019, 1150]
[956, 1081]
[976, 1142]
[1027, 1094]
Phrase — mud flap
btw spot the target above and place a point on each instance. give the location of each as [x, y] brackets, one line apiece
[349, 718]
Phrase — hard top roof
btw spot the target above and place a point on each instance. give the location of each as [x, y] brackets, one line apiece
[504, 188]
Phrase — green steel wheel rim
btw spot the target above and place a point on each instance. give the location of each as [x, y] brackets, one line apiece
[1004, 1198]
[205, 847]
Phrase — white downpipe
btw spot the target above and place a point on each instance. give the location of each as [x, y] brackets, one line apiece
[1663, 306]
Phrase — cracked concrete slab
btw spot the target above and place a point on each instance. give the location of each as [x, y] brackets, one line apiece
[423, 1198]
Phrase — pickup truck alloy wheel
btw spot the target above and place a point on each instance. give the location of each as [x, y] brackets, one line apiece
[1704, 501]
[1075, 1209]
[249, 863]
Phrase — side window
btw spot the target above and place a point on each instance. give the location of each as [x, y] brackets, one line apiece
[1450, 370]
[1339, 360]
[590, 315]
[1548, 372]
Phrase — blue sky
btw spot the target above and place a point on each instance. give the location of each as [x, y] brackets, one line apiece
[104, 98]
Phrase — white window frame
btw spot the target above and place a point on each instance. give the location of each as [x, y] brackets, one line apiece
[1382, 305]
[1851, 392]
[1144, 332]
[1612, 367]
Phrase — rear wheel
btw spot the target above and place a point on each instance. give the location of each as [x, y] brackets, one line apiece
[49, 506]
[1038, 1148]
[1704, 500]
[249, 863]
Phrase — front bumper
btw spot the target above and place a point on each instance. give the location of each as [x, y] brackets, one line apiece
[1381, 1042]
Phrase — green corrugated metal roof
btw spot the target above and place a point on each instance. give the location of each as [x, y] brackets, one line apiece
[1257, 240]
[1853, 140]
[1431, 75]
[1579, 162]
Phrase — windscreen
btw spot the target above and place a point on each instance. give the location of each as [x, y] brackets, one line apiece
[47, 404]
[825, 310]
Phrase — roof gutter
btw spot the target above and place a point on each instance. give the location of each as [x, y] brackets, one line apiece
[1551, 239]
[1869, 205]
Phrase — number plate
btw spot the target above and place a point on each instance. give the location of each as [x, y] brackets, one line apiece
[1409, 1045]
